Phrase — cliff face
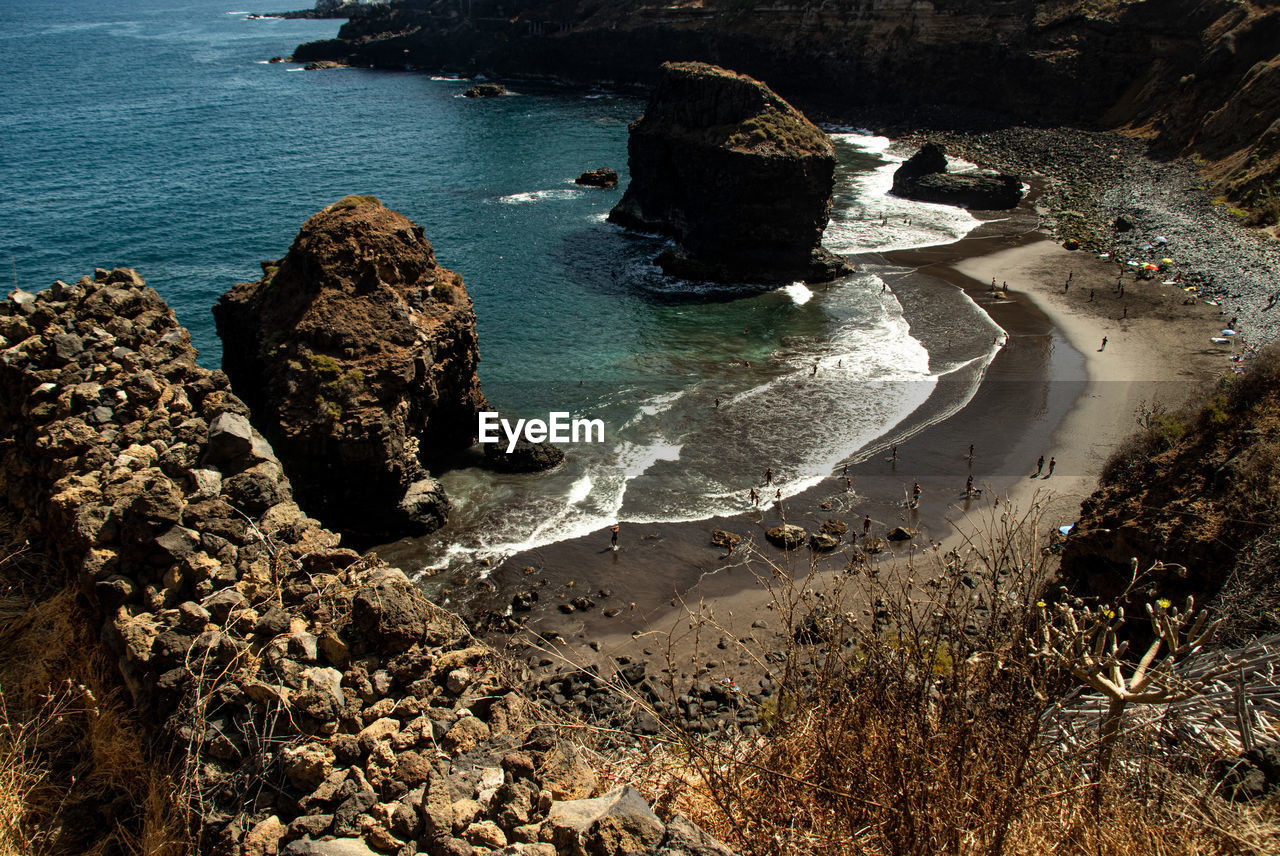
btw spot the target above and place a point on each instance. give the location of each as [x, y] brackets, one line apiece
[1198, 76]
[740, 179]
[357, 354]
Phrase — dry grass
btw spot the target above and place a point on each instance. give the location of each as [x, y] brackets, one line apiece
[909, 718]
[75, 775]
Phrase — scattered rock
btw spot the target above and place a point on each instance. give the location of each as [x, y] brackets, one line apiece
[924, 177]
[787, 536]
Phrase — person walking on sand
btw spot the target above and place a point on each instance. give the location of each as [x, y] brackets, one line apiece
[915, 494]
[893, 454]
[970, 455]
[1053, 462]
[768, 475]
[1039, 465]
[613, 537]
[1104, 344]
[866, 526]
[1091, 295]
[754, 497]
[968, 487]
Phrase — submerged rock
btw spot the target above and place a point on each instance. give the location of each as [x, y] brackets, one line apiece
[357, 356]
[738, 177]
[526, 457]
[924, 177]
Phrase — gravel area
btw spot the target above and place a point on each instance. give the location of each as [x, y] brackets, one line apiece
[1092, 178]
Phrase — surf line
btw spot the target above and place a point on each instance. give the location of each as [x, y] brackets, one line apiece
[559, 427]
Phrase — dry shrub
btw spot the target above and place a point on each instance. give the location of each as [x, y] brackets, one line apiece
[910, 718]
[75, 775]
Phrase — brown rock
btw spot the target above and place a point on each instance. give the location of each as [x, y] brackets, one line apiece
[465, 734]
[357, 354]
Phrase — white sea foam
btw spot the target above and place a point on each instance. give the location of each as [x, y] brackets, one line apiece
[539, 195]
[866, 218]
[798, 292]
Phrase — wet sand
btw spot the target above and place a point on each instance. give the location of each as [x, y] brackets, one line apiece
[1050, 391]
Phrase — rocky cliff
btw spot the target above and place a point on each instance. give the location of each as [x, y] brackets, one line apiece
[738, 177]
[357, 355]
[1194, 76]
[300, 698]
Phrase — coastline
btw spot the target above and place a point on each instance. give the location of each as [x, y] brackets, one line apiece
[1048, 392]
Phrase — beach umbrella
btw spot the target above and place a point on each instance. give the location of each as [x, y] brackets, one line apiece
[1167, 261]
[1162, 240]
[1228, 332]
[1150, 266]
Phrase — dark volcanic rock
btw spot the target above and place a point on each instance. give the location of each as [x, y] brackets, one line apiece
[739, 177]
[601, 176]
[485, 90]
[526, 457]
[924, 177]
[357, 355]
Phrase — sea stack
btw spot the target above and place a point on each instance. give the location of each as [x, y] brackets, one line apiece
[924, 177]
[357, 355]
[737, 176]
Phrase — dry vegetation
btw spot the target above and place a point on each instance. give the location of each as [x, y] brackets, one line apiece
[914, 716]
[75, 772]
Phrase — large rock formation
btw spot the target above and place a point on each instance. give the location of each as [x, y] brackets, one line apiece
[357, 354]
[738, 177]
[924, 177]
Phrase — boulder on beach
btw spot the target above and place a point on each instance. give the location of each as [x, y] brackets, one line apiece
[821, 542]
[901, 533]
[728, 540]
[924, 177]
[834, 527]
[739, 178]
[786, 536]
[357, 356]
[601, 176]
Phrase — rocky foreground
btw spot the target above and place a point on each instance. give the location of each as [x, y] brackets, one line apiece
[319, 703]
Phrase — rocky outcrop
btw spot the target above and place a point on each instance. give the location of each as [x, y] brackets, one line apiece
[924, 177]
[526, 457]
[357, 355]
[738, 177]
[601, 176]
[485, 90]
[259, 651]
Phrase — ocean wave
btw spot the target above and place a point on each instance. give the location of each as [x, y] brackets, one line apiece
[539, 195]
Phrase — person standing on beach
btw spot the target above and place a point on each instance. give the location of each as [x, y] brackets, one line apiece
[613, 536]
[1039, 466]
[1091, 295]
[768, 475]
[866, 526]
[970, 455]
[1053, 462]
[754, 497]
[893, 454]
[915, 494]
[968, 487]
[1104, 344]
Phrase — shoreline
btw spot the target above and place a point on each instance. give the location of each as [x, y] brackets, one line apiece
[1046, 393]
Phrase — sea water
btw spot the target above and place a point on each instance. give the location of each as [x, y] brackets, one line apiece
[156, 135]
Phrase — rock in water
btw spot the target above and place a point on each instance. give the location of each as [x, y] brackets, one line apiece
[924, 177]
[738, 177]
[357, 355]
[485, 90]
[601, 176]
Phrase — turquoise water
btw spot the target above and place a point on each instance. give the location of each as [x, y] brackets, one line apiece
[155, 135]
